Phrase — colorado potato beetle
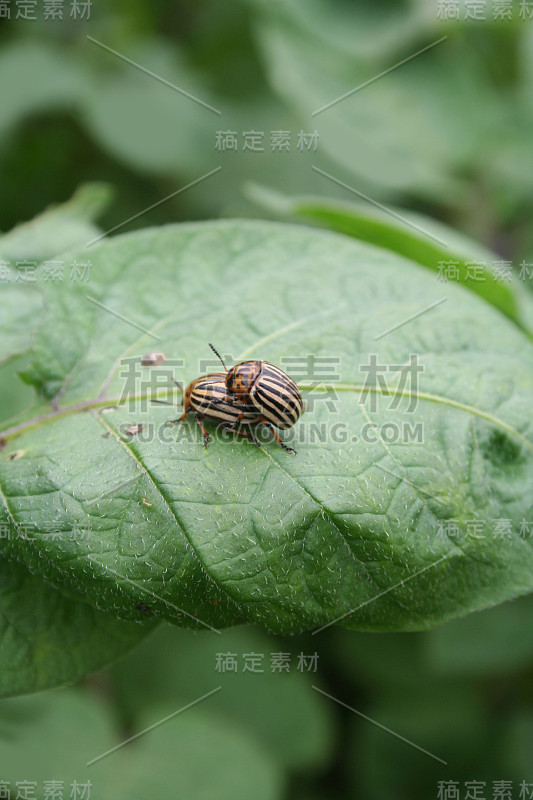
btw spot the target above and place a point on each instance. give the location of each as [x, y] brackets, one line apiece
[207, 396]
[269, 390]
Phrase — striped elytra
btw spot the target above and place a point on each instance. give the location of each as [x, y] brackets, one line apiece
[251, 393]
[272, 392]
[208, 396]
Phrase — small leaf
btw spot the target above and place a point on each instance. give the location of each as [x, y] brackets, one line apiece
[415, 131]
[416, 236]
[193, 755]
[59, 228]
[278, 708]
[49, 639]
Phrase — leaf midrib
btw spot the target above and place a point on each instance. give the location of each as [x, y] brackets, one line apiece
[87, 405]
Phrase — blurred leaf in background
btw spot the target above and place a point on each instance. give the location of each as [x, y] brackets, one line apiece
[448, 128]
[444, 139]
[439, 247]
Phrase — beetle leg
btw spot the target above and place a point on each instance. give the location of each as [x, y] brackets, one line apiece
[199, 417]
[178, 419]
[240, 416]
[240, 432]
[275, 435]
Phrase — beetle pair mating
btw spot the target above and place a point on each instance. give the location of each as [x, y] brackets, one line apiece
[248, 394]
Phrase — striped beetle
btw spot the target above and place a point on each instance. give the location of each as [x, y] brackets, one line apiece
[207, 396]
[269, 390]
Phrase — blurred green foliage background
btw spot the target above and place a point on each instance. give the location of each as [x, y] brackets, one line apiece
[449, 133]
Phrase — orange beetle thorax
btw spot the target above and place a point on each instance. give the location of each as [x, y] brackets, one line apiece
[242, 377]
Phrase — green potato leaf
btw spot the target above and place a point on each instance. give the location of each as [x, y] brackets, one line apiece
[105, 96]
[416, 236]
[362, 527]
[57, 229]
[361, 31]
[37, 745]
[278, 707]
[416, 131]
[49, 639]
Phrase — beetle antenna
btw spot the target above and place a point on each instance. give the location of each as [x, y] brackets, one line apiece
[165, 402]
[215, 351]
[180, 387]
